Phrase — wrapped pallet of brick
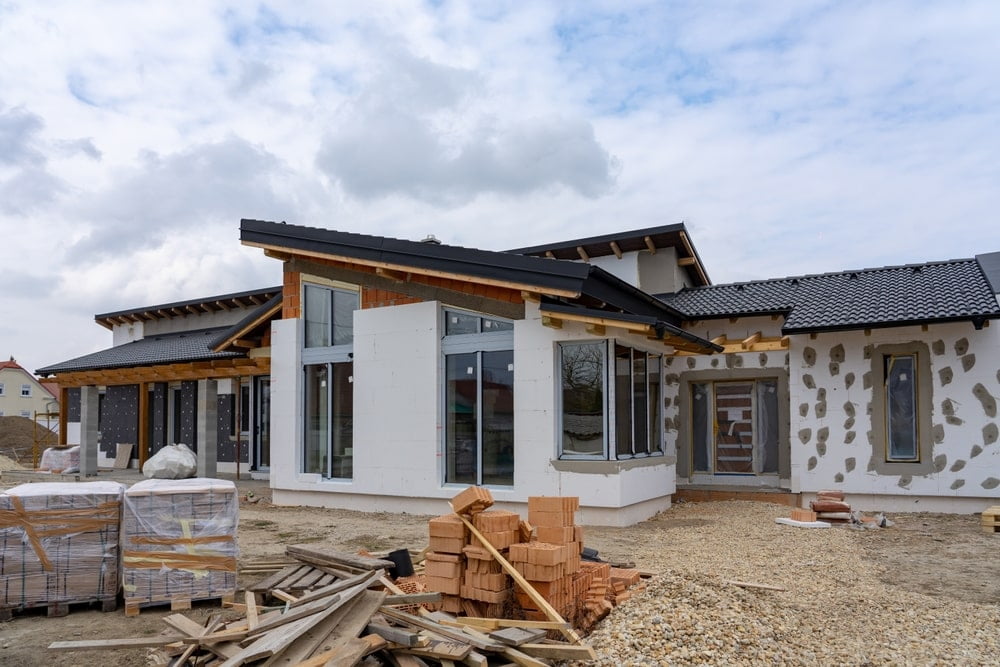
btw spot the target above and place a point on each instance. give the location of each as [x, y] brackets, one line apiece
[59, 545]
[179, 542]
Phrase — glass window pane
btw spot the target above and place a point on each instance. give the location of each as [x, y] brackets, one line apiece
[344, 305]
[640, 445]
[655, 403]
[767, 427]
[498, 417]
[583, 421]
[317, 316]
[316, 420]
[457, 323]
[900, 402]
[461, 412]
[701, 407]
[496, 325]
[623, 401]
[343, 421]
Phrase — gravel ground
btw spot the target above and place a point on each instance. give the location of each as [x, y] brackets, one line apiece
[925, 592]
[841, 606]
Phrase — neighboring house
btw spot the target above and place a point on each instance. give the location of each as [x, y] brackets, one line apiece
[22, 395]
[192, 372]
[400, 371]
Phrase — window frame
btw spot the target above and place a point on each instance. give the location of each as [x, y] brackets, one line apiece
[328, 356]
[476, 343]
[881, 462]
[1, 389]
[26, 390]
[610, 450]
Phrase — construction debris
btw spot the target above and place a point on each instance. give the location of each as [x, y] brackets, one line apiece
[991, 520]
[488, 587]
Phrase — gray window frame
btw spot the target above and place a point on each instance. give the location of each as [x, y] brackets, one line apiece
[878, 435]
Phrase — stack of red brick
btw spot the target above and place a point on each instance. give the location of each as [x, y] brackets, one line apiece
[545, 551]
[830, 506]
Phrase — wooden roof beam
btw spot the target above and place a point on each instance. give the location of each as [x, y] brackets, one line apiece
[687, 261]
[398, 276]
[649, 244]
[582, 253]
[193, 310]
[749, 341]
[615, 248]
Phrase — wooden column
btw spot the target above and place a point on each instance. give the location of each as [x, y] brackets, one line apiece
[143, 427]
[63, 414]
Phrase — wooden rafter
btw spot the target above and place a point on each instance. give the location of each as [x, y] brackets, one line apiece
[552, 322]
[213, 369]
[398, 276]
[615, 248]
[550, 254]
[748, 342]
[687, 261]
[690, 251]
[582, 253]
[761, 344]
[649, 244]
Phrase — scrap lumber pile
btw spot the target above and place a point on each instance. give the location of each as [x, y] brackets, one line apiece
[179, 542]
[59, 546]
[991, 520]
[829, 506]
[360, 614]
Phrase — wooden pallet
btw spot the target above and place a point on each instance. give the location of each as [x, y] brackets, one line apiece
[991, 520]
[135, 605]
[54, 609]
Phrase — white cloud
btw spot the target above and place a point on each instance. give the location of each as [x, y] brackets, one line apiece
[792, 137]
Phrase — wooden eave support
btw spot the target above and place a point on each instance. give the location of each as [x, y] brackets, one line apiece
[550, 254]
[687, 261]
[582, 253]
[245, 343]
[551, 322]
[603, 321]
[255, 300]
[398, 276]
[415, 271]
[649, 244]
[690, 251]
[222, 305]
[615, 248]
[750, 340]
[596, 329]
[761, 344]
[214, 369]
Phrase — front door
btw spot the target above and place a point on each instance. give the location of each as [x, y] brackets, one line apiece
[734, 427]
[262, 422]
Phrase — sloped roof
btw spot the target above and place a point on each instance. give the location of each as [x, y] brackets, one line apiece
[255, 320]
[952, 290]
[210, 304]
[161, 349]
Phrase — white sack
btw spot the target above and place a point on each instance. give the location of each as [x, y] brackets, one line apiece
[171, 462]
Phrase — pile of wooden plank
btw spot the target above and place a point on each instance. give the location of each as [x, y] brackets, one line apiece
[179, 542]
[359, 614]
[59, 546]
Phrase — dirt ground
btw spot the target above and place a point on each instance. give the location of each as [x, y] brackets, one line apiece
[941, 557]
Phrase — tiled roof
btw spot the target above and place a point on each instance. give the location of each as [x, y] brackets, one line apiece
[866, 298]
[161, 349]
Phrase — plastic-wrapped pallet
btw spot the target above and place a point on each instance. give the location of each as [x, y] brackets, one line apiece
[59, 545]
[179, 542]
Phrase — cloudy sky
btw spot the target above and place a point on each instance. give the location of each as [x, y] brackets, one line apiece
[791, 137]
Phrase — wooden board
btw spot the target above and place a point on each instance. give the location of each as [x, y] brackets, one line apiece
[124, 456]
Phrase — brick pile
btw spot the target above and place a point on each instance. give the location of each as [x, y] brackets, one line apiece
[830, 506]
[545, 550]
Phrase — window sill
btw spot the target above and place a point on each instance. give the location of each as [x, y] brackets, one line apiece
[610, 467]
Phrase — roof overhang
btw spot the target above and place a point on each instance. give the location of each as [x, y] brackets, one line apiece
[166, 311]
[247, 333]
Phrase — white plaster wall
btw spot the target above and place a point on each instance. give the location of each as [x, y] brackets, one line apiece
[659, 273]
[626, 268]
[286, 404]
[126, 333]
[832, 448]
[193, 322]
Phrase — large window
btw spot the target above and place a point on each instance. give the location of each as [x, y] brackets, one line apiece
[478, 400]
[614, 408]
[328, 438]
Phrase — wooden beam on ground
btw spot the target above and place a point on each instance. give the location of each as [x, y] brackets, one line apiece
[558, 651]
[112, 644]
[337, 558]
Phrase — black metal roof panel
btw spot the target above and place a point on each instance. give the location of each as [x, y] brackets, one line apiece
[867, 298]
[161, 349]
[990, 264]
[471, 262]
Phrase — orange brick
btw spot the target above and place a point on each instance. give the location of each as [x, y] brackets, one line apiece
[443, 585]
[494, 521]
[578, 535]
[539, 518]
[518, 552]
[555, 534]
[443, 565]
[542, 553]
[449, 545]
[447, 525]
[471, 500]
[800, 514]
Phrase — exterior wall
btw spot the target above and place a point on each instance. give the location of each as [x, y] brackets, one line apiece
[659, 273]
[833, 439]
[126, 333]
[398, 444]
[119, 418]
[681, 369]
[626, 268]
[12, 404]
